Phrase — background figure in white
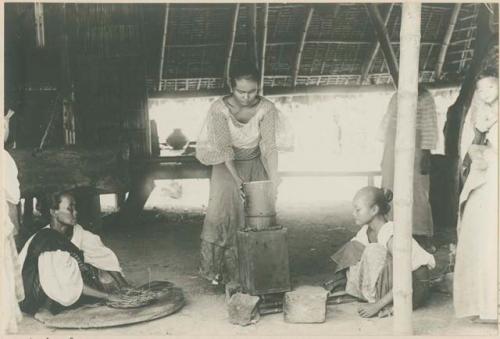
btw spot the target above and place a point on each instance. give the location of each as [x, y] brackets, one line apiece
[425, 140]
[11, 285]
[475, 278]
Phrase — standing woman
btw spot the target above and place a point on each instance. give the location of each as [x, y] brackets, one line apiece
[426, 138]
[238, 139]
[475, 287]
[11, 285]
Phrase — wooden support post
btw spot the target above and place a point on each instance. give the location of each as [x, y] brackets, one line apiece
[252, 34]
[39, 24]
[263, 48]
[457, 112]
[65, 75]
[336, 11]
[384, 40]
[163, 45]
[446, 41]
[230, 46]
[69, 121]
[300, 47]
[404, 167]
[65, 86]
[365, 70]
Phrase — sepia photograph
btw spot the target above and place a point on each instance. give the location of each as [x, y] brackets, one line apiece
[249, 169]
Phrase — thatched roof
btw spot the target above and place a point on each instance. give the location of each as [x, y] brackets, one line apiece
[338, 42]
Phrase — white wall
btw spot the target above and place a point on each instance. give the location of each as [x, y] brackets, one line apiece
[337, 132]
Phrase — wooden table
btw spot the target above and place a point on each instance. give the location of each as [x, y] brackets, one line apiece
[188, 167]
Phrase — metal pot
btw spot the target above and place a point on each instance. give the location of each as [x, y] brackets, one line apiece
[259, 199]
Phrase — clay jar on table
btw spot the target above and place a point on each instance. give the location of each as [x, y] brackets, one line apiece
[260, 205]
[177, 140]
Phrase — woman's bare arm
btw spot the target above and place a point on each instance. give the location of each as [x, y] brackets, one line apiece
[371, 310]
[92, 292]
[119, 278]
[239, 182]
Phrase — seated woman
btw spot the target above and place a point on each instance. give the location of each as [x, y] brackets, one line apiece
[63, 262]
[364, 264]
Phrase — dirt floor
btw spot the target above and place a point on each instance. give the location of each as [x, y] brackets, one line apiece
[164, 245]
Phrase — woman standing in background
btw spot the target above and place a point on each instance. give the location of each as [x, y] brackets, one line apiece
[425, 140]
[475, 289]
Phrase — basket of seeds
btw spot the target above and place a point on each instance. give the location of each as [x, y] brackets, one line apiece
[129, 297]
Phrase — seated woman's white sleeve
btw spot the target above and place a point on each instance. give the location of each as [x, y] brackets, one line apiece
[97, 254]
[60, 277]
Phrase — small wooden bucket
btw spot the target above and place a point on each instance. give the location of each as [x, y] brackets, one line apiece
[259, 199]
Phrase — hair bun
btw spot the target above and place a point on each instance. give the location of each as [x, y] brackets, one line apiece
[387, 194]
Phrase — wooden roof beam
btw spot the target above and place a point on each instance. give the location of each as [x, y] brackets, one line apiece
[384, 40]
[365, 70]
[230, 47]
[263, 48]
[163, 45]
[446, 41]
[301, 45]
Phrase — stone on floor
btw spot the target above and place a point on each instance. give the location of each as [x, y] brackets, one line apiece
[242, 309]
[307, 304]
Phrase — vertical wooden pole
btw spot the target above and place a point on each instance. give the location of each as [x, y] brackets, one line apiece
[230, 46]
[263, 49]
[65, 87]
[404, 167]
[39, 24]
[446, 41]
[252, 34]
[385, 42]
[300, 47]
[163, 45]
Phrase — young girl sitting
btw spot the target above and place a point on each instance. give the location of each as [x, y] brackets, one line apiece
[364, 264]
